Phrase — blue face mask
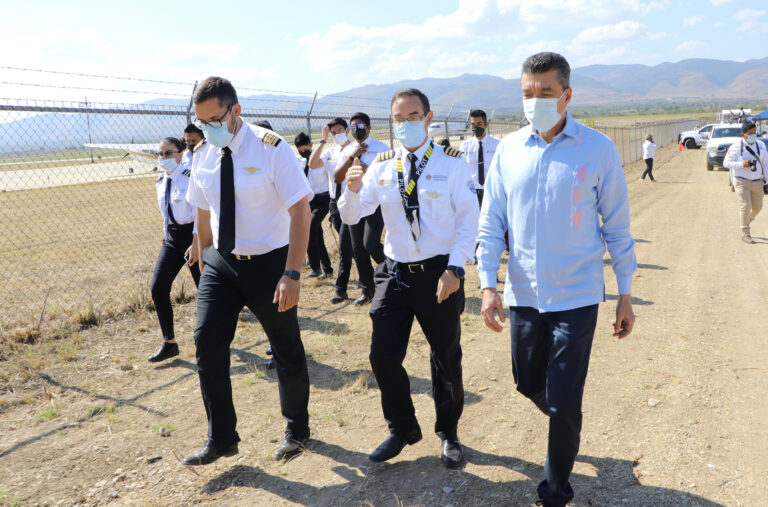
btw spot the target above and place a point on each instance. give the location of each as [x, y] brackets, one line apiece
[168, 164]
[542, 113]
[218, 136]
[751, 138]
[410, 133]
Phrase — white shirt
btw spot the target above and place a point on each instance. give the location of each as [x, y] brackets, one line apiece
[471, 146]
[737, 154]
[316, 179]
[448, 212]
[649, 150]
[329, 158]
[267, 180]
[374, 148]
[183, 212]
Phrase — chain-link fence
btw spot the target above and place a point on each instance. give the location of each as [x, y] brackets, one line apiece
[629, 139]
[79, 221]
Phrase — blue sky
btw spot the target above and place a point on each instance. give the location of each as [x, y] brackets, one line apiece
[306, 46]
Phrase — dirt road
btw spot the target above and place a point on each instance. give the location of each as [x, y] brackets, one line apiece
[674, 415]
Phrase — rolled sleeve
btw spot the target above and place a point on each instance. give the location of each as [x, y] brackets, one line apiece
[195, 196]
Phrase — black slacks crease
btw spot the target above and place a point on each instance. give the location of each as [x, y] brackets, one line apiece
[392, 312]
[169, 262]
[316, 251]
[226, 286]
[345, 247]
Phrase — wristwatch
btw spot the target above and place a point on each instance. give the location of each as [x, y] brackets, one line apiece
[295, 275]
[456, 270]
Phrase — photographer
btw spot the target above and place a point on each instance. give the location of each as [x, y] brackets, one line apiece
[748, 159]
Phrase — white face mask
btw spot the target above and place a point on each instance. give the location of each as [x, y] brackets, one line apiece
[542, 113]
[751, 138]
[341, 138]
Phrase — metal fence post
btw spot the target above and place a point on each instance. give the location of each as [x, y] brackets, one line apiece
[309, 116]
[446, 122]
[189, 106]
[391, 134]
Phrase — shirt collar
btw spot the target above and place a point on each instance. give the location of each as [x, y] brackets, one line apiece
[571, 128]
[419, 153]
[237, 141]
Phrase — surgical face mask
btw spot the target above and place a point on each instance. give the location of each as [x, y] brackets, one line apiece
[359, 134]
[305, 153]
[751, 138]
[478, 131]
[340, 138]
[168, 164]
[219, 136]
[542, 113]
[410, 133]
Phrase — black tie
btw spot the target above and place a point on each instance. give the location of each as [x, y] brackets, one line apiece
[413, 200]
[306, 168]
[227, 213]
[168, 200]
[480, 164]
[338, 191]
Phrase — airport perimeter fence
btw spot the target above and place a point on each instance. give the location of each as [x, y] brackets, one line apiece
[80, 227]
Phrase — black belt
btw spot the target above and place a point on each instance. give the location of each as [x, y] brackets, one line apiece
[421, 266]
[747, 179]
[180, 227]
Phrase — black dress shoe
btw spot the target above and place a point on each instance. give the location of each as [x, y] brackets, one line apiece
[392, 446]
[269, 350]
[314, 274]
[451, 453]
[327, 273]
[165, 351]
[270, 363]
[209, 454]
[290, 447]
[364, 299]
[339, 296]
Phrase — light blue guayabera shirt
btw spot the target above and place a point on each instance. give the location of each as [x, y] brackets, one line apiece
[552, 198]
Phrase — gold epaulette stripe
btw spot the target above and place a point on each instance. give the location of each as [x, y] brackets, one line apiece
[385, 155]
[198, 146]
[453, 152]
[271, 139]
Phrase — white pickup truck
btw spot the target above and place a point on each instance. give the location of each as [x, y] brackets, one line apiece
[695, 139]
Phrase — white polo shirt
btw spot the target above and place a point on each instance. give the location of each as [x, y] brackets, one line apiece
[329, 158]
[267, 180]
[471, 147]
[183, 212]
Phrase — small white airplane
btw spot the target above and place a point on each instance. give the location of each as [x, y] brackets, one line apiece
[145, 154]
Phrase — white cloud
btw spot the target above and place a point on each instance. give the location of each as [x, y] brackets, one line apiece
[748, 14]
[720, 2]
[692, 47]
[693, 20]
[549, 10]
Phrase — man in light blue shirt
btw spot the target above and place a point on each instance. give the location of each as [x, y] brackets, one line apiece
[558, 188]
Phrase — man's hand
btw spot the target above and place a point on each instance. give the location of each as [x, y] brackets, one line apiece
[625, 317]
[286, 293]
[745, 164]
[491, 305]
[192, 254]
[360, 150]
[355, 176]
[447, 285]
[326, 132]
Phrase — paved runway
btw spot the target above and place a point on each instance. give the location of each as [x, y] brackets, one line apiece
[28, 179]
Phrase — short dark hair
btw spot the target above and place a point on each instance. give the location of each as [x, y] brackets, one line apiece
[264, 124]
[361, 117]
[192, 129]
[544, 62]
[444, 142]
[179, 144]
[478, 113]
[301, 139]
[217, 87]
[338, 121]
[411, 92]
[747, 126]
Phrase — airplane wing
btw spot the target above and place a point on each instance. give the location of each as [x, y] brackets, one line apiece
[141, 152]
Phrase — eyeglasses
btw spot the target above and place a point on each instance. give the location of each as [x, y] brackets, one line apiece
[410, 118]
[166, 153]
[201, 124]
[358, 126]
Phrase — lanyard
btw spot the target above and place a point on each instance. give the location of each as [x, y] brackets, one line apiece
[405, 193]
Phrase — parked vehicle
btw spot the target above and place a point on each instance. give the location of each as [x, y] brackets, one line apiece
[438, 129]
[695, 139]
[721, 139]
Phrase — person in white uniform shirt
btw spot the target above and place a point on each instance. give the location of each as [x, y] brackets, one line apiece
[748, 160]
[431, 217]
[178, 234]
[253, 229]
[649, 153]
[366, 234]
[323, 161]
[479, 150]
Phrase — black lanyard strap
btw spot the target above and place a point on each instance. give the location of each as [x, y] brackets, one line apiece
[411, 211]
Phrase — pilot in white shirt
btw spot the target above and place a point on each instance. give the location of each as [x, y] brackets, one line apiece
[365, 234]
[193, 136]
[431, 215]
[479, 160]
[178, 235]
[253, 230]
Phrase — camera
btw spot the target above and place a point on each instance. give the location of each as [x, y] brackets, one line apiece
[752, 165]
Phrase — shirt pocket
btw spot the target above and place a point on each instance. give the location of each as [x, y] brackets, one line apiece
[435, 202]
[391, 203]
[251, 190]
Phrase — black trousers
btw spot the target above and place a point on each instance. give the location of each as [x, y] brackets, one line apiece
[374, 226]
[226, 285]
[170, 260]
[392, 311]
[648, 168]
[316, 251]
[345, 247]
[550, 358]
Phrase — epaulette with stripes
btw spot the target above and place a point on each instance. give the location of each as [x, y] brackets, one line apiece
[272, 139]
[385, 155]
[159, 178]
[198, 146]
[453, 152]
[186, 172]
